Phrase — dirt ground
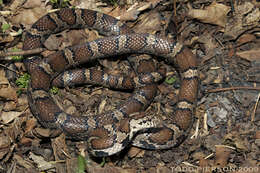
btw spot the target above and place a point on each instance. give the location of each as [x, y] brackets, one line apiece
[224, 35]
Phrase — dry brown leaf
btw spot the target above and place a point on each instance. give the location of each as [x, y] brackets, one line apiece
[29, 16]
[110, 169]
[42, 165]
[3, 79]
[135, 152]
[42, 132]
[149, 23]
[154, 2]
[7, 117]
[8, 93]
[163, 169]
[237, 141]
[132, 13]
[22, 103]
[60, 149]
[216, 14]
[198, 155]
[26, 141]
[16, 4]
[9, 106]
[30, 124]
[204, 162]
[222, 156]
[4, 145]
[208, 41]
[257, 134]
[89, 4]
[33, 3]
[245, 38]
[252, 18]
[250, 55]
[22, 162]
[6, 39]
[245, 17]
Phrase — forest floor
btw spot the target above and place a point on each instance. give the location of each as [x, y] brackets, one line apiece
[225, 137]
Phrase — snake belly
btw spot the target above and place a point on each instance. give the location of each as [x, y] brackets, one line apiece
[111, 132]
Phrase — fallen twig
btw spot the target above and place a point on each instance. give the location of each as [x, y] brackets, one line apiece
[22, 52]
[232, 88]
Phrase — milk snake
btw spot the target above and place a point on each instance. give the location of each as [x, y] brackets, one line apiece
[111, 132]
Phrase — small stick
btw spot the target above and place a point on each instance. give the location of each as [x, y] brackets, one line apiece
[22, 52]
[232, 88]
[8, 68]
[255, 107]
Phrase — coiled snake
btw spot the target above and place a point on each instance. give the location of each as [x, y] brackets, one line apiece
[111, 132]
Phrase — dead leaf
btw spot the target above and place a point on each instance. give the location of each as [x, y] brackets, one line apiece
[222, 156]
[257, 134]
[30, 124]
[198, 155]
[245, 38]
[135, 152]
[41, 132]
[245, 18]
[24, 163]
[208, 41]
[204, 162]
[252, 18]
[15, 4]
[42, 165]
[60, 149]
[149, 23]
[3, 79]
[250, 55]
[26, 141]
[7, 117]
[235, 140]
[29, 16]
[89, 4]
[33, 3]
[8, 93]
[9, 106]
[4, 145]
[216, 14]
[132, 13]
[22, 103]
[111, 169]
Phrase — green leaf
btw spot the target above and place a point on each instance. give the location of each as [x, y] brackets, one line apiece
[60, 3]
[5, 27]
[22, 82]
[170, 80]
[102, 164]
[54, 1]
[54, 90]
[81, 164]
[16, 57]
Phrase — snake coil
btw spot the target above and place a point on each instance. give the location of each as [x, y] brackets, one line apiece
[111, 132]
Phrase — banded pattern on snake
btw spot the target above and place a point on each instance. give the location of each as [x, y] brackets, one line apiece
[111, 132]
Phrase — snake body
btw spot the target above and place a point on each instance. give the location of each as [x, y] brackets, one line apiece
[110, 132]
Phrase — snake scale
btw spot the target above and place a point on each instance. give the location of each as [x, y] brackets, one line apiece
[109, 133]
